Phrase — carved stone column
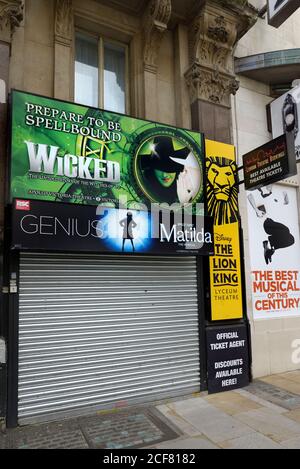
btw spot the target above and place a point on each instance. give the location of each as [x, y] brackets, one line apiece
[12, 37]
[210, 77]
[11, 17]
[64, 30]
[155, 24]
[4, 68]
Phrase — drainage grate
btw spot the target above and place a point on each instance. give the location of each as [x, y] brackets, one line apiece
[54, 436]
[65, 440]
[127, 430]
[274, 394]
[115, 430]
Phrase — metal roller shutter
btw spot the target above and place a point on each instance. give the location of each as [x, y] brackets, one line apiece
[105, 330]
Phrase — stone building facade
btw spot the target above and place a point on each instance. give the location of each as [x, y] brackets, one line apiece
[180, 70]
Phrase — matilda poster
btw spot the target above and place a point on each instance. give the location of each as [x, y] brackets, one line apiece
[222, 200]
[69, 227]
[64, 152]
[274, 251]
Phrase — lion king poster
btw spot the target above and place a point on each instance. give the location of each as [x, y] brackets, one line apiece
[222, 203]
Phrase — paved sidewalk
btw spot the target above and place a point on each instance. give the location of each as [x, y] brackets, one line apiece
[266, 415]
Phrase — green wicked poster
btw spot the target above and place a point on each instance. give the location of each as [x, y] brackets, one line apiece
[65, 152]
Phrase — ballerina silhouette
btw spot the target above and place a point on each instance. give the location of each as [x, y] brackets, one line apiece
[278, 235]
[128, 224]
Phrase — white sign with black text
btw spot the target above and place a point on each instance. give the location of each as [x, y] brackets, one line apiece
[280, 10]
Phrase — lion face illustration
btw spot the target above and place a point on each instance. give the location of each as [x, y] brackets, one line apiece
[222, 193]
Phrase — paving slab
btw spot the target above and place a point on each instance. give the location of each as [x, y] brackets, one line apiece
[213, 423]
[3, 441]
[291, 444]
[275, 394]
[284, 382]
[188, 443]
[263, 402]
[189, 404]
[293, 376]
[274, 426]
[183, 425]
[293, 415]
[232, 403]
[252, 441]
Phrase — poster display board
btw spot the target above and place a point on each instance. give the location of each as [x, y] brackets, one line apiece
[227, 357]
[70, 162]
[222, 201]
[41, 225]
[274, 245]
[271, 162]
[65, 152]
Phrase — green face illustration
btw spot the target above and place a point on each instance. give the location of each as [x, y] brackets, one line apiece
[165, 179]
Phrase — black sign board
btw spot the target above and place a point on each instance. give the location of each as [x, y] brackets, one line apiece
[280, 10]
[270, 163]
[227, 357]
[67, 227]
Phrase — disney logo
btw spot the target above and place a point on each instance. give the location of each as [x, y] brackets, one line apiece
[221, 237]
